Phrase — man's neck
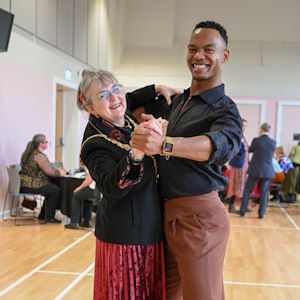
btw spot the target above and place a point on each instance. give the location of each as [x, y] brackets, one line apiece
[198, 87]
[264, 133]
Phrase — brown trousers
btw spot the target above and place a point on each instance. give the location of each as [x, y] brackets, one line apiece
[197, 231]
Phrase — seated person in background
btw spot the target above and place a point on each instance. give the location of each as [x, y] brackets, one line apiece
[283, 160]
[278, 179]
[85, 192]
[35, 170]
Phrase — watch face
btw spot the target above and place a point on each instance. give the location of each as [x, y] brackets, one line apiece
[168, 147]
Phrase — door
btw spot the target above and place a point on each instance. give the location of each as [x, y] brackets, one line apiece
[59, 124]
[67, 137]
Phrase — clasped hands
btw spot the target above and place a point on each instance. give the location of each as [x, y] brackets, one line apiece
[149, 136]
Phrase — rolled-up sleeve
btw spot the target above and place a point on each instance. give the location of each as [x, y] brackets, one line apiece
[225, 135]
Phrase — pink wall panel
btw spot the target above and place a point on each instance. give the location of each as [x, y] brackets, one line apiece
[252, 113]
[270, 116]
[26, 101]
[290, 124]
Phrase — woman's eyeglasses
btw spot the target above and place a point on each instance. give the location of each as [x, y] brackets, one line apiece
[115, 90]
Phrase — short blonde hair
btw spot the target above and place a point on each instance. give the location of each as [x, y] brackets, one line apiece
[88, 76]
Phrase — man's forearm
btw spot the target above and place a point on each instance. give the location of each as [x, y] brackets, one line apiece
[197, 148]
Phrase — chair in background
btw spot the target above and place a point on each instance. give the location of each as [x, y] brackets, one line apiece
[57, 165]
[17, 166]
[13, 191]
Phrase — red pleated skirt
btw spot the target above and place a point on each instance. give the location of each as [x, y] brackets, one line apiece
[129, 272]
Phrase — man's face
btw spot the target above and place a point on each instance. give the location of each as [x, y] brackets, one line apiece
[206, 55]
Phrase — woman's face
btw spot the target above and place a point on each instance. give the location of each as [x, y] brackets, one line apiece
[43, 146]
[108, 102]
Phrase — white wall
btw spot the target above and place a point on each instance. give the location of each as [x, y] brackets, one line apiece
[144, 19]
[264, 43]
[255, 20]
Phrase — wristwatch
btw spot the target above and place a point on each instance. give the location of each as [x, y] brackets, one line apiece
[167, 147]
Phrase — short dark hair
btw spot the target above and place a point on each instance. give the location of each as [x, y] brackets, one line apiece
[265, 127]
[216, 26]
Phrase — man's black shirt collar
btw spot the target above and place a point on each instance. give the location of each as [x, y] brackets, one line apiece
[210, 96]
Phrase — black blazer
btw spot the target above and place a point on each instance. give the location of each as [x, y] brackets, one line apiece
[129, 214]
[260, 165]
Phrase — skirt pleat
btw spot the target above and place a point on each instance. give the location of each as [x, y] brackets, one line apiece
[114, 273]
[129, 272]
[126, 270]
[152, 262]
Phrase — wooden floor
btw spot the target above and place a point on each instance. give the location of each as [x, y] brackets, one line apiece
[50, 262]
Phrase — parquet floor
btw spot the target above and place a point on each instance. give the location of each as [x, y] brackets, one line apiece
[50, 262]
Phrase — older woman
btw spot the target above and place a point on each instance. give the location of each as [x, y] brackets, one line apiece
[129, 260]
[36, 168]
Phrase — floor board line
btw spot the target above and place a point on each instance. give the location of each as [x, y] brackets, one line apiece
[74, 282]
[263, 227]
[26, 276]
[295, 286]
[63, 273]
[289, 217]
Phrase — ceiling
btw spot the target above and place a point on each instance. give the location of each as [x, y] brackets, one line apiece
[158, 23]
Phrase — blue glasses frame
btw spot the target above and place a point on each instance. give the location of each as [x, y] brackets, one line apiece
[115, 90]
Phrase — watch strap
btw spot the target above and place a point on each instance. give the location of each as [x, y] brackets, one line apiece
[167, 147]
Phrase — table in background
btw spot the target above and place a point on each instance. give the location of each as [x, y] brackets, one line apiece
[67, 186]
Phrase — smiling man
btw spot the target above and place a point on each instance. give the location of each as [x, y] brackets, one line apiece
[203, 133]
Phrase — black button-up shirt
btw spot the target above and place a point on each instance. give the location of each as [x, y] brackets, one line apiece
[215, 115]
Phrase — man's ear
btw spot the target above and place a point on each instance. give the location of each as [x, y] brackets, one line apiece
[226, 55]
